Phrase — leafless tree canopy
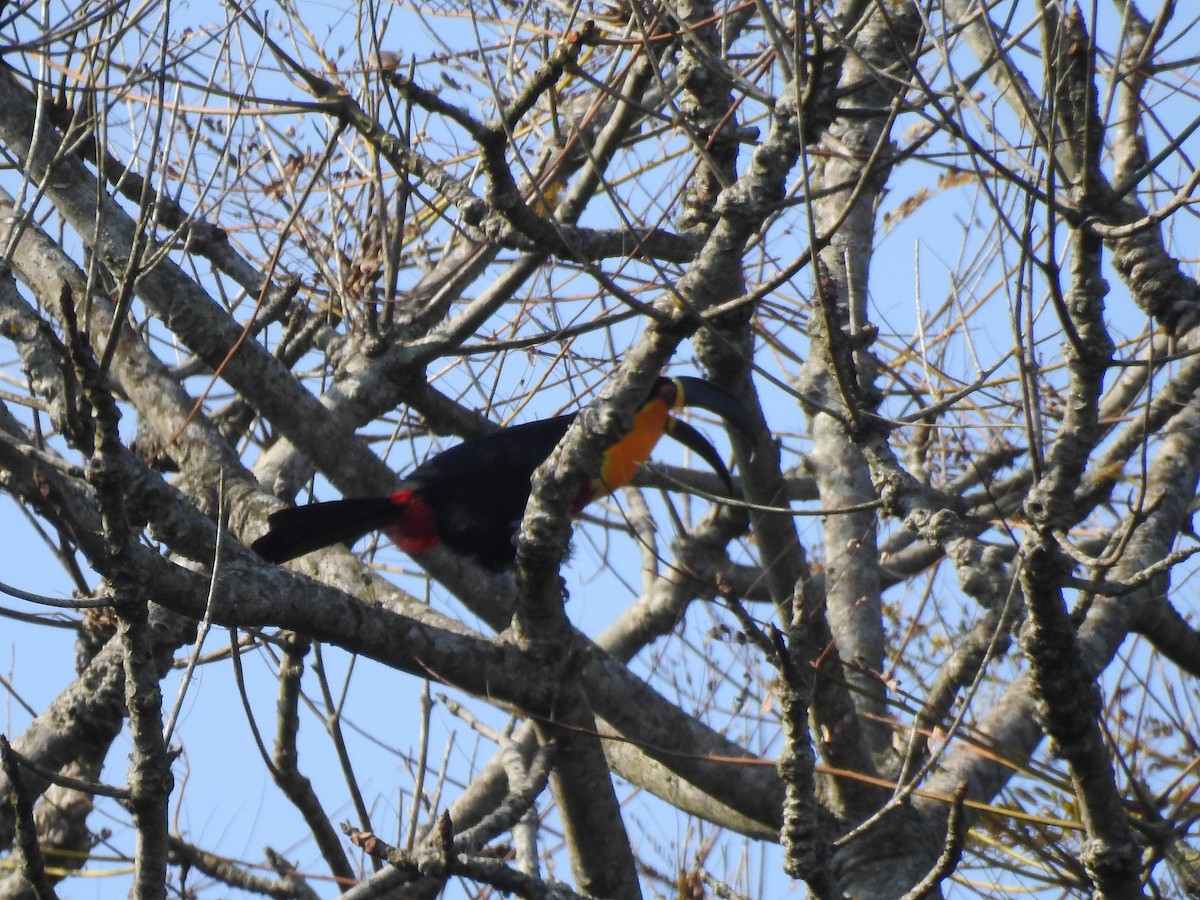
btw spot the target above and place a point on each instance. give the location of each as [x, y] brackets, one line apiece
[944, 642]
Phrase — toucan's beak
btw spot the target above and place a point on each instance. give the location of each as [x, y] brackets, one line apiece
[706, 395]
[685, 434]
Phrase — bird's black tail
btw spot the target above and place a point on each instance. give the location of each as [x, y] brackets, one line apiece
[303, 529]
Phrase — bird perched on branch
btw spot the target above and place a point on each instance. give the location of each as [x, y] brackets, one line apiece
[472, 497]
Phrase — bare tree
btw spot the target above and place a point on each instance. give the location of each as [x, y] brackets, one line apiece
[941, 642]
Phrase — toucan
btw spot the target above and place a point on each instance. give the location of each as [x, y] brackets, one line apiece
[472, 497]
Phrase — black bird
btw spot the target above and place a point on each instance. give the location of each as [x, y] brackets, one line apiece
[472, 496]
